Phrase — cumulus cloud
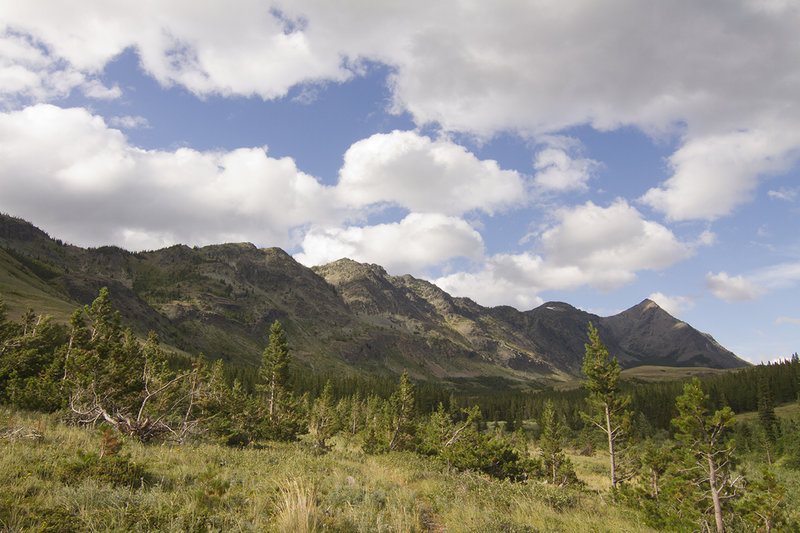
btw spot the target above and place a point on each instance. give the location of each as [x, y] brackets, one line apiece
[602, 247]
[701, 70]
[411, 245]
[54, 160]
[424, 175]
[30, 72]
[714, 174]
[733, 288]
[557, 169]
[52, 157]
[674, 305]
[609, 244]
[755, 284]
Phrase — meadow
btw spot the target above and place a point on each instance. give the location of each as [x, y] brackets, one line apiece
[53, 478]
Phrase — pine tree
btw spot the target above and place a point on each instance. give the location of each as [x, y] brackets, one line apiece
[609, 407]
[403, 413]
[558, 468]
[709, 455]
[765, 501]
[323, 422]
[274, 369]
[766, 418]
[281, 417]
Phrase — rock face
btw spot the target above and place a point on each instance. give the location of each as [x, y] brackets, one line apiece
[343, 317]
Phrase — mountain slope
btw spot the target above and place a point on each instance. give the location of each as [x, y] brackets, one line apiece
[342, 317]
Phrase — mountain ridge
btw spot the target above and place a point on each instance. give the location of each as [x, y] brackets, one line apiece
[345, 316]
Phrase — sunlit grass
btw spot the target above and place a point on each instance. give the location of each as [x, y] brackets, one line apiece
[281, 487]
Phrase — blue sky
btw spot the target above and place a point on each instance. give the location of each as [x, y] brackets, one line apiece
[511, 152]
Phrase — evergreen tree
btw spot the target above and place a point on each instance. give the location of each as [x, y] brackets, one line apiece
[403, 414]
[766, 418]
[609, 407]
[274, 369]
[557, 466]
[281, 420]
[709, 457]
[765, 503]
[323, 422]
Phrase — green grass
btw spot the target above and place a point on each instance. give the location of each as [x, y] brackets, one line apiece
[19, 287]
[668, 373]
[789, 410]
[50, 481]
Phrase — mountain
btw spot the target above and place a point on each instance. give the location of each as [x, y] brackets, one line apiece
[343, 317]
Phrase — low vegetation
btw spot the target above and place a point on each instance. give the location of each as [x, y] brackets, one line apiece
[100, 431]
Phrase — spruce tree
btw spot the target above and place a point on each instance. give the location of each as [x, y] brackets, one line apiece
[766, 418]
[558, 468]
[609, 407]
[403, 414]
[281, 420]
[274, 369]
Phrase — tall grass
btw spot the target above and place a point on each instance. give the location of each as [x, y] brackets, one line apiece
[297, 509]
[48, 484]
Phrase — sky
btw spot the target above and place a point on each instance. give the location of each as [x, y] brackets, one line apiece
[596, 153]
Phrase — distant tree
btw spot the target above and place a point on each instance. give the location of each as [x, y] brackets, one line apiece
[274, 368]
[709, 456]
[557, 466]
[767, 419]
[608, 406]
[323, 422]
[403, 414]
[281, 420]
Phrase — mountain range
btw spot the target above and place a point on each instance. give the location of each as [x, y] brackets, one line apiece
[347, 317]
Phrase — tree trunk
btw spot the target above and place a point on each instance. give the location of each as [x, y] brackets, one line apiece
[611, 450]
[712, 480]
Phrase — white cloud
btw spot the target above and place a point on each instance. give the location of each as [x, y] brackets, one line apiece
[589, 245]
[714, 174]
[733, 288]
[780, 276]
[674, 305]
[415, 243]
[786, 194]
[609, 243]
[723, 76]
[558, 170]
[755, 284]
[30, 72]
[787, 320]
[503, 280]
[424, 175]
[52, 157]
[128, 122]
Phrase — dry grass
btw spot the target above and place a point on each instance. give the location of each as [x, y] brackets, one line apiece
[282, 487]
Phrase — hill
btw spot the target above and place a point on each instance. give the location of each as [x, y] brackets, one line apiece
[342, 317]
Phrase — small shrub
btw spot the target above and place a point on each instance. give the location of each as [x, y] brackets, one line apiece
[117, 470]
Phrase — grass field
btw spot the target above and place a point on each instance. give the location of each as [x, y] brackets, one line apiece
[788, 410]
[51, 479]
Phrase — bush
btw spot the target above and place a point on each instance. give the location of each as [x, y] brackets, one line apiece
[116, 470]
[493, 456]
